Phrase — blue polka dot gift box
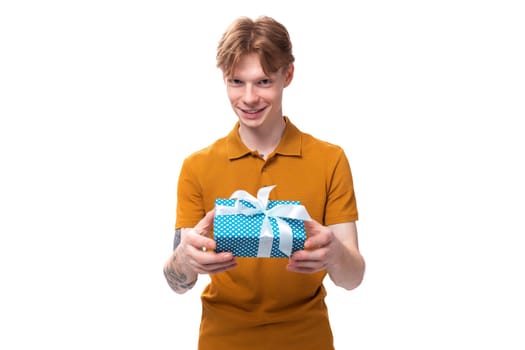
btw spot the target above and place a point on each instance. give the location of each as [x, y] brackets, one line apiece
[249, 226]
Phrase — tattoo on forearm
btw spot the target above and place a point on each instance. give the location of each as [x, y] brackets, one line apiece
[176, 280]
[176, 240]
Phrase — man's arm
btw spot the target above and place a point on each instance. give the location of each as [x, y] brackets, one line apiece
[193, 255]
[348, 267]
[178, 280]
[334, 249]
[176, 238]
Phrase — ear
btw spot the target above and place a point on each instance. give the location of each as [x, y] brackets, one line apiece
[288, 74]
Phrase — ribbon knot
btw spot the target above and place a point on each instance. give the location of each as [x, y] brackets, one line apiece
[260, 206]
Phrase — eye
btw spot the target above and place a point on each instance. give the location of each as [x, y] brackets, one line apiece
[265, 82]
[234, 82]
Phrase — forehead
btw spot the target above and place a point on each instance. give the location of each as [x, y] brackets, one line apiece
[248, 64]
[249, 67]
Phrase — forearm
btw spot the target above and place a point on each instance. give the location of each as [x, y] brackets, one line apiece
[180, 278]
[349, 269]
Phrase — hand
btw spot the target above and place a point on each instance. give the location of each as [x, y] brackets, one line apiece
[196, 250]
[321, 249]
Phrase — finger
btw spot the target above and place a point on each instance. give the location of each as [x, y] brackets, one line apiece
[216, 268]
[212, 258]
[203, 243]
[211, 262]
[302, 256]
[306, 266]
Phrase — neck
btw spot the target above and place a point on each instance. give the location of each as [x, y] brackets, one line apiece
[263, 140]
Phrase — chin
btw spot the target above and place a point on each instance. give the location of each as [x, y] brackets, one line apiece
[251, 120]
[251, 123]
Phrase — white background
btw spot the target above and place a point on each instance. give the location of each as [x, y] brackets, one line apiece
[101, 100]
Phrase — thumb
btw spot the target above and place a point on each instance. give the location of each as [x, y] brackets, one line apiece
[204, 226]
[312, 228]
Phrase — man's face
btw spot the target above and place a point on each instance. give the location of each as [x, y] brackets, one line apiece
[255, 96]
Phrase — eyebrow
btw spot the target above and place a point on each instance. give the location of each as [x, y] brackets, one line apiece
[265, 77]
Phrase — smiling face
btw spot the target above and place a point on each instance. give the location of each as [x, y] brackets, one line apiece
[256, 97]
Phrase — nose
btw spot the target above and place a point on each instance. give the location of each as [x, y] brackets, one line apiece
[250, 95]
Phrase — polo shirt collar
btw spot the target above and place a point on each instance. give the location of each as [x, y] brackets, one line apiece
[290, 144]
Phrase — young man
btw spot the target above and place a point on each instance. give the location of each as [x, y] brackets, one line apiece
[265, 303]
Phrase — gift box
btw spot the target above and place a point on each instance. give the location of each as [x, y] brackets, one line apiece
[249, 226]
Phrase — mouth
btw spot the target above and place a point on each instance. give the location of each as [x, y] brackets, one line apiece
[253, 112]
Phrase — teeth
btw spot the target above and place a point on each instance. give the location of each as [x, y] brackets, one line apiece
[251, 111]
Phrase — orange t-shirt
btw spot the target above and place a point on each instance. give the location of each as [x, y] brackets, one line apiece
[259, 304]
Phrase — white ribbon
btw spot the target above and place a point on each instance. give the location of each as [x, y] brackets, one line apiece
[291, 211]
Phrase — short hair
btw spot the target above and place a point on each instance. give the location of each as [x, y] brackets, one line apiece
[264, 36]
